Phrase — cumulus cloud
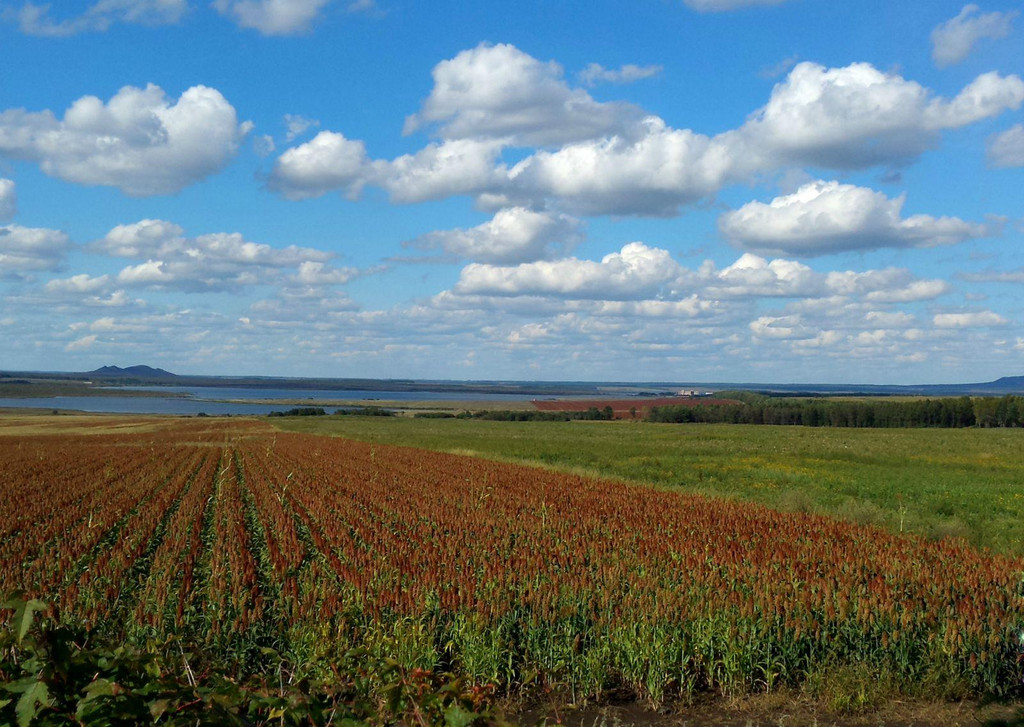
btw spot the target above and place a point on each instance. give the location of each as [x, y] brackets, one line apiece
[460, 166]
[25, 249]
[652, 172]
[827, 217]
[139, 141]
[210, 262]
[497, 91]
[841, 118]
[636, 272]
[327, 162]
[140, 239]
[1006, 149]
[273, 17]
[513, 235]
[752, 276]
[858, 116]
[84, 290]
[8, 199]
[77, 284]
[35, 19]
[911, 292]
[595, 73]
[953, 40]
[976, 319]
[591, 158]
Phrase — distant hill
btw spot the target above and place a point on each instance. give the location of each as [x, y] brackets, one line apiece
[1005, 385]
[135, 372]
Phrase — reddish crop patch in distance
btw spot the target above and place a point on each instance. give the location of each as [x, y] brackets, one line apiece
[625, 408]
[239, 538]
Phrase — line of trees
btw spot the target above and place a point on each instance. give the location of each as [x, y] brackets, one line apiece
[951, 413]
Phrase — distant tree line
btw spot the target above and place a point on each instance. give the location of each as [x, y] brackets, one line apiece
[525, 415]
[301, 411]
[365, 411]
[951, 413]
[529, 415]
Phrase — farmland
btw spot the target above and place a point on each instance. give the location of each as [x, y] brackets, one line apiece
[930, 482]
[238, 537]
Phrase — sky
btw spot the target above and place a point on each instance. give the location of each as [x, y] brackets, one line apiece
[806, 191]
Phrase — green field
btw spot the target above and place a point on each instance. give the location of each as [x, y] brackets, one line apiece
[933, 482]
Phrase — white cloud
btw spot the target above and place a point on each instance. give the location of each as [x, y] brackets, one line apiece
[953, 40]
[634, 273]
[316, 274]
[598, 158]
[513, 235]
[1006, 149]
[297, 125]
[978, 319]
[35, 19]
[890, 319]
[461, 166]
[83, 290]
[24, 249]
[595, 73]
[81, 344]
[986, 96]
[857, 116]
[778, 327]
[841, 118]
[752, 276]
[139, 141]
[140, 239]
[273, 17]
[652, 173]
[499, 92]
[211, 262]
[8, 199]
[327, 162]
[827, 217]
[911, 292]
[77, 284]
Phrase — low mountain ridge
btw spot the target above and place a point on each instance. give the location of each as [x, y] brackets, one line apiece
[139, 372]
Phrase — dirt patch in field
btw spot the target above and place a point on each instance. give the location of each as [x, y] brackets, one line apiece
[769, 711]
[35, 422]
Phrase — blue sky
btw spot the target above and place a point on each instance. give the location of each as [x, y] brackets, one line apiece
[689, 190]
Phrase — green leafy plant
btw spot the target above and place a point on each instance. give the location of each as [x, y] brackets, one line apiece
[55, 674]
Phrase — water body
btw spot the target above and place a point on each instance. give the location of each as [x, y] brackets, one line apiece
[146, 405]
[208, 393]
[224, 400]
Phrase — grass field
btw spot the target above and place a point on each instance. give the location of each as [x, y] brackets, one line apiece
[932, 482]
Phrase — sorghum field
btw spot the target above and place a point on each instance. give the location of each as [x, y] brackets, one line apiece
[239, 537]
[930, 482]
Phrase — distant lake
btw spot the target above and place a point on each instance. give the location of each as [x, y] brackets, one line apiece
[211, 400]
[226, 392]
[146, 405]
